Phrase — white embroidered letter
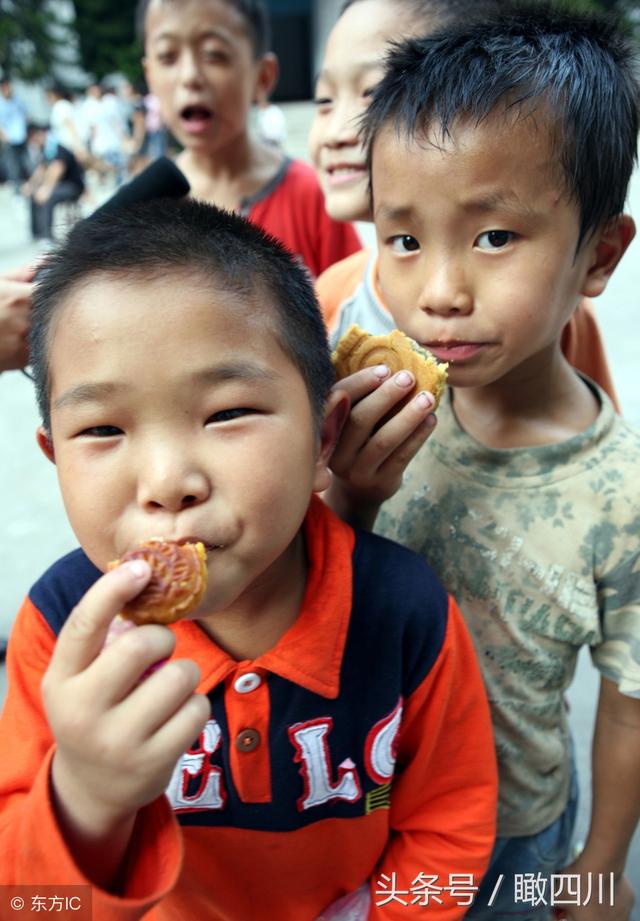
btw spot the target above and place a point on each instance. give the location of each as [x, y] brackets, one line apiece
[312, 752]
[210, 793]
[380, 748]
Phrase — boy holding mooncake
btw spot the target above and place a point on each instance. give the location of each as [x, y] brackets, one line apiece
[320, 727]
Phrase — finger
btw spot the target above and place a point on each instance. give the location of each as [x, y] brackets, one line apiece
[396, 462]
[17, 357]
[15, 293]
[22, 273]
[362, 383]
[123, 662]
[365, 416]
[84, 632]
[181, 730]
[158, 698]
[399, 439]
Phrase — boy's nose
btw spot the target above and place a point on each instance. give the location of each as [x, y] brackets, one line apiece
[172, 489]
[342, 127]
[445, 290]
[190, 73]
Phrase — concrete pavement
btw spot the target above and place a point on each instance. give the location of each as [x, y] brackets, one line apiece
[35, 531]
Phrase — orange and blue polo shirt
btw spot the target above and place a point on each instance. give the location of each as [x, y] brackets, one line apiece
[357, 749]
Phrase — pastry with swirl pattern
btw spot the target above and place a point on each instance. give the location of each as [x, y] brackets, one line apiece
[358, 349]
[177, 584]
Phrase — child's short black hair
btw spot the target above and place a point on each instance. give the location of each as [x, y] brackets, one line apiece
[254, 13]
[165, 236]
[576, 72]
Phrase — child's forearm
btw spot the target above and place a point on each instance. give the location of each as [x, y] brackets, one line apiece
[616, 781]
[98, 844]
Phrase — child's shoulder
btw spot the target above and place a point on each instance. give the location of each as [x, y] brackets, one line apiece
[346, 274]
[61, 587]
[401, 612]
[619, 449]
[339, 282]
[396, 587]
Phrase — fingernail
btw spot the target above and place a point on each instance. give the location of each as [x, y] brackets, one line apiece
[138, 568]
[381, 371]
[431, 421]
[424, 400]
[403, 379]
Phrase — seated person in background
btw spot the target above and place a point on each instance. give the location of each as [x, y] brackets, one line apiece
[349, 292]
[207, 61]
[57, 178]
[342, 730]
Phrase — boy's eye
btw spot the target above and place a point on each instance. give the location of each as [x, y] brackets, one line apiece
[215, 56]
[404, 243]
[494, 239]
[101, 431]
[322, 101]
[166, 57]
[228, 415]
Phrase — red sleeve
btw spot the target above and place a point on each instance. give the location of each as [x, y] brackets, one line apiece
[444, 796]
[294, 212]
[33, 849]
[583, 347]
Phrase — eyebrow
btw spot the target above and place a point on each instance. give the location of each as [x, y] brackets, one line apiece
[99, 392]
[201, 36]
[492, 201]
[87, 392]
[394, 212]
[233, 371]
[499, 201]
[360, 67]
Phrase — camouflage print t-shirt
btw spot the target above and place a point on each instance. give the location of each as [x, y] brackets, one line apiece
[541, 549]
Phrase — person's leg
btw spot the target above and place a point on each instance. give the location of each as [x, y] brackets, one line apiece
[516, 886]
[63, 191]
[38, 220]
[13, 162]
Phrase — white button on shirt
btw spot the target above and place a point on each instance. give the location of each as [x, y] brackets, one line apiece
[246, 683]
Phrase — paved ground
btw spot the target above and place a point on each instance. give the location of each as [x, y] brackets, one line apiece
[35, 532]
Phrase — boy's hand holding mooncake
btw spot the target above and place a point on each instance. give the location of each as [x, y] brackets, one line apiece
[118, 738]
[394, 387]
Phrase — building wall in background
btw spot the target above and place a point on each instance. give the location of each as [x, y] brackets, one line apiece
[299, 33]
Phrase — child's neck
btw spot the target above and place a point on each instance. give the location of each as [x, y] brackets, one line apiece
[527, 409]
[231, 174]
[262, 615]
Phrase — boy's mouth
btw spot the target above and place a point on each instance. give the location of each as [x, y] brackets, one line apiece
[343, 173]
[455, 350]
[195, 118]
[209, 547]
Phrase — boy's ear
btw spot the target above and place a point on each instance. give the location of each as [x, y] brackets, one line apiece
[45, 443]
[335, 416]
[610, 248]
[268, 73]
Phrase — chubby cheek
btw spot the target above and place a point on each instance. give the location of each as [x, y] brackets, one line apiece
[94, 511]
[315, 141]
[400, 291]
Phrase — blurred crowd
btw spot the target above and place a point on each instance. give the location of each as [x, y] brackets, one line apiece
[110, 131]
